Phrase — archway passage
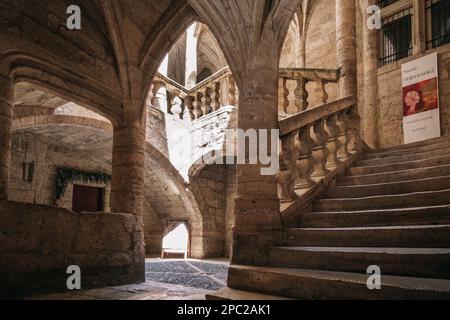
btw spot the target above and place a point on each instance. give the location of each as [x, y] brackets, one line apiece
[175, 243]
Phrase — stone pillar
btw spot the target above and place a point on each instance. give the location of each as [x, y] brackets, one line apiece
[346, 46]
[370, 57]
[257, 206]
[302, 51]
[127, 185]
[191, 57]
[6, 120]
[419, 27]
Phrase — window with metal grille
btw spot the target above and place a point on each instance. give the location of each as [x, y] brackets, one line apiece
[396, 37]
[385, 3]
[438, 23]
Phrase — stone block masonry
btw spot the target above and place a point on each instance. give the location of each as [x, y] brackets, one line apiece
[39, 243]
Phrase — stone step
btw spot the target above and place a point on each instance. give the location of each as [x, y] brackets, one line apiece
[405, 158]
[228, 294]
[431, 162]
[426, 236]
[409, 200]
[377, 218]
[396, 176]
[414, 148]
[422, 262]
[360, 191]
[331, 285]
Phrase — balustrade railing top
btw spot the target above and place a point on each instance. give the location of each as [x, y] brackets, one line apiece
[221, 90]
[315, 145]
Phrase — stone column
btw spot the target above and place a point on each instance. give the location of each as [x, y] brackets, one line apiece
[257, 206]
[419, 27]
[191, 57]
[127, 185]
[370, 58]
[302, 51]
[6, 120]
[346, 46]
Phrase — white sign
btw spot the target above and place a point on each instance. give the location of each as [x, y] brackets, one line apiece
[421, 119]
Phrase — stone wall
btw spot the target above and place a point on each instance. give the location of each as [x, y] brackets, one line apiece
[231, 192]
[39, 243]
[321, 43]
[153, 231]
[66, 200]
[321, 53]
[28, 148]
[214, 188]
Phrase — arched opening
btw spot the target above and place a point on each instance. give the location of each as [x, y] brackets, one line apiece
[204, 74]
[175, 243]
[187, 121]
[61, 153]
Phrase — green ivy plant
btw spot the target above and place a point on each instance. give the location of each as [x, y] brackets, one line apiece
[66, 175]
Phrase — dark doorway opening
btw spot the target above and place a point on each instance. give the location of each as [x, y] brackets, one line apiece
[87, 199]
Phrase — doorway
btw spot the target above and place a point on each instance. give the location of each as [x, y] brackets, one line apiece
[175, 243]
[87, 199]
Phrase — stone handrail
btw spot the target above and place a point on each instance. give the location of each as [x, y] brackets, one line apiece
[316, 145]
[293, 95]
[221, 90]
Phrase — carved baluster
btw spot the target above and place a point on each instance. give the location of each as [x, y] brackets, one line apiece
[353, 130]
[286, 176]
[189, 107]
[343, 137]
[162, 96]
[215, 96]
[228, 92]
[153, 96]
[333, 145]
[320, 151]
[177, 106]
[290, 87]
[320, 93]
[233, 92]
[305, 162]
[206, 101]
[283, 94]
[301, 95]
[197, 104]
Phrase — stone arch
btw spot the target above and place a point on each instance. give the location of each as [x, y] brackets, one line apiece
[210, 56]
[159, 168]
[23, 66]
[214, 157]
[214, 187]
[77, 64]
[33, 121]
[158, 43]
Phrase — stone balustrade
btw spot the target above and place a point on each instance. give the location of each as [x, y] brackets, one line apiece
[206, 97]
[295, 84]
[316, 144]
[221, 90]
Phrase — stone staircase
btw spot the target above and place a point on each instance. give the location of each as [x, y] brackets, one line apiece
[391, 209]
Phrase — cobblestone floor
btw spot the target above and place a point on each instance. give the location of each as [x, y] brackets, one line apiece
[166, 280]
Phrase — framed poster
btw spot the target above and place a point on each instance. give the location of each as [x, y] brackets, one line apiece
[421, 120]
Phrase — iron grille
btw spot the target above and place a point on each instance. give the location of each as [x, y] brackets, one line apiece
[396, 37]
